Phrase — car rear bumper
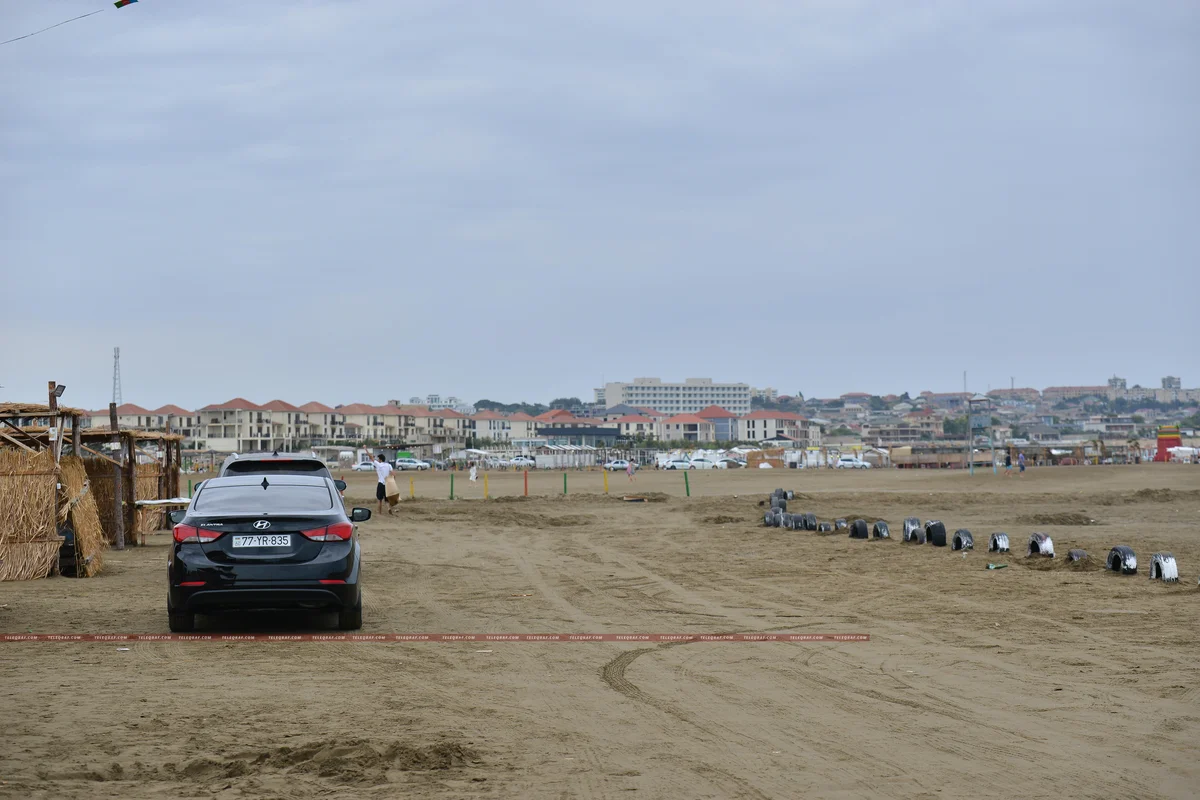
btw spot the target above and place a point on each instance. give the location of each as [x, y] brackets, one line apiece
[263, 598]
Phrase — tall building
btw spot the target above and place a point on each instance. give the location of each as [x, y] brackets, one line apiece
[1116, 383]
[688, 397]
[1172, 382]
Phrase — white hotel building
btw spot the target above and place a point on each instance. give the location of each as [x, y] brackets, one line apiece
[688, 397]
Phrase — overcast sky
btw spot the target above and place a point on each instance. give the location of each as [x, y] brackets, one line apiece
[359, 200]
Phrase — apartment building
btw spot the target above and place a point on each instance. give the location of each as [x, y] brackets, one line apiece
[492, 425]
[1057, 394]
[724, 422]
[635, 425]
[1024, 395]
[760, 425]
[325, 424]
[688, 397]
[169, 417]
[238, 426]
[688, 428]
[1110, 426]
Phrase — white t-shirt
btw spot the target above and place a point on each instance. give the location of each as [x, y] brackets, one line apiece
[382, 469]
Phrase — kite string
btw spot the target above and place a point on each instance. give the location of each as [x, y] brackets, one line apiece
[43, 30]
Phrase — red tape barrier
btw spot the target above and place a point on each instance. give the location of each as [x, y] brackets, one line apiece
[434, 637]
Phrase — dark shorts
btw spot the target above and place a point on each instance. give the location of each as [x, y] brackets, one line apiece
[380, 492]
[1022, 468]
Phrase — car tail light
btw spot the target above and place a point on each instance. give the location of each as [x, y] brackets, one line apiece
[330, 580]
[186, 533]
[192, 583]
[337, 532]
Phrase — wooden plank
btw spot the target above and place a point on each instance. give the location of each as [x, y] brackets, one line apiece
[87, 449]
[21, 445]
[29, 436]
[131, 487]
[157, 460]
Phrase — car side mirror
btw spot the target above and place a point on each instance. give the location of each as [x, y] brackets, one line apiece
[340, 484]
[177, 516]
[360, 515]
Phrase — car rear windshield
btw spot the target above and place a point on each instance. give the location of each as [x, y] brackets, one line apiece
[277, 499]
[273, 466]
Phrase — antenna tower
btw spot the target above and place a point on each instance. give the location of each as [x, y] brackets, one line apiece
[117, 376]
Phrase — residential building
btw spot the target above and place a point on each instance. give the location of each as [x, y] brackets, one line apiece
[585, 435]
[522, 426]
[238, 426]
[1110, 426]
[1025, 395]
[325, 424]
[688, 428]
[761, 425]
[1116, 383]
[768, 394]
[724, 422]
[1057, 394]
[492, 425]
[635, 425]
[687, 397]
[1172, 382]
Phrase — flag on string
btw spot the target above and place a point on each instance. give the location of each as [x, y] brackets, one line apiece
[123, 3]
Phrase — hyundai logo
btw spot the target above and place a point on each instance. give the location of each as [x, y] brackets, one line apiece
[262, 524]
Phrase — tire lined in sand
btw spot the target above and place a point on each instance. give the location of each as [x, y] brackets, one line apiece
[935, 533]
[779, 502]
[769, 519]
[880, 530]
[810, 522]
[1077, 556]
[911, 524]
[859, 530]
[1122, 559]
[1164, 568]
[914, 533]
[789, 521]
[963, 540]
[839, 523]
[824, 527]
[1040, 544]
[998, 543]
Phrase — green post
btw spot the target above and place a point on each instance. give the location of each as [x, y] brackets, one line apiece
[687, 486]
[189, 487]
[451, 485]
[564, 483]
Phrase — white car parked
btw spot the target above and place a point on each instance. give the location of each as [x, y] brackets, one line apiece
[678, 463]
[618, 465]
[411, 463]
[851, 462]
[702, 463]
[729, 463]
[522, 461]
[363, 466]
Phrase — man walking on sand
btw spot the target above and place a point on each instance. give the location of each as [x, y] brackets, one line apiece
[1021, 463]
[382, 470]
[1008, 465]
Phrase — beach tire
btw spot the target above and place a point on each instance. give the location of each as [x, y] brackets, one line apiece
[963, 540]
[824, 527]
[998, 543]
[1164, 568]
[790, 495]
[1077, 555]
[780, 493]
[777, 519]
[768, 519]
[840, 523]
[1040, 544]
[880, 530]
[1122, 559]
[859, 529]
[788, 521]
[914, 535]
[935, 533]
[779, 503]
[910, 524]
[810, 522]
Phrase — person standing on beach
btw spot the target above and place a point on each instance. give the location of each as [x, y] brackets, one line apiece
[629, 469]
[382, 470]
[1008, 465]
[474, 472]
[1021, 463]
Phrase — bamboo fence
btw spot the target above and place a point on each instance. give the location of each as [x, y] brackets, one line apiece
[84, 517]
[29, 541]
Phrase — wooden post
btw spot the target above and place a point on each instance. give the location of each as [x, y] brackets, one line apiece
[165, 481]
[118, 495]
[76, 438]
[131, 487]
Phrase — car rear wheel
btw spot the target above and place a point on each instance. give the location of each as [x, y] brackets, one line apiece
[350, 619]
[180, 621]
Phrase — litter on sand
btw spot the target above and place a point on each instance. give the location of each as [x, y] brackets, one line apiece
[997, 566]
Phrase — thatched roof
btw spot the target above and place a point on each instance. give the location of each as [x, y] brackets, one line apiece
[35, 410]
[92, 434]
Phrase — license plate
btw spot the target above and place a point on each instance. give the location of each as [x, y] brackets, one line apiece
[271, 540]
